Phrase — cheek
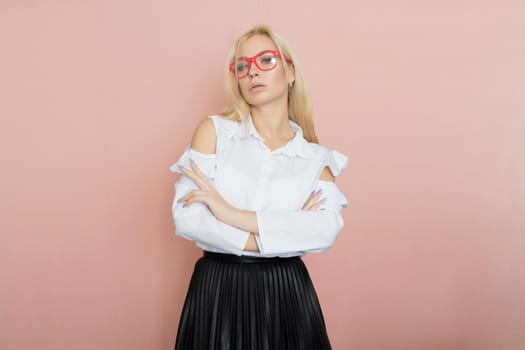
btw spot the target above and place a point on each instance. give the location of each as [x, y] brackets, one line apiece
[277, 76]
[279, 85]
[243, 88]
[276, 79]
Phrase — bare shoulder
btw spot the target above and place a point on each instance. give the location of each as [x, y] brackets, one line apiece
[326, 174]
[204, 137]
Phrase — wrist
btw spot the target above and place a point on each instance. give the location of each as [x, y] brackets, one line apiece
[229, 215]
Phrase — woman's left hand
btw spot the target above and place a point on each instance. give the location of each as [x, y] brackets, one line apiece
[206, 193]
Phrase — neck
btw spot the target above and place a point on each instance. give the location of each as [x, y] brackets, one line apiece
[271, 121]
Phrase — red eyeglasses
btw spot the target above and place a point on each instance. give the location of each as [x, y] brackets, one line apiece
[265, 60]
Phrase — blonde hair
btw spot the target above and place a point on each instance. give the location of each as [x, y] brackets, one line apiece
[299, 104]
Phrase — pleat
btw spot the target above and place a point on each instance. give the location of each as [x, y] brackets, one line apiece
[264, 305]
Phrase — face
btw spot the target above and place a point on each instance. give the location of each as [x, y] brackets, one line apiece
[261, 87]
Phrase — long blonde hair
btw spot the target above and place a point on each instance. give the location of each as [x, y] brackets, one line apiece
[299, 104]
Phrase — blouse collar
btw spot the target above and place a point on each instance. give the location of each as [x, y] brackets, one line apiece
[298, 146]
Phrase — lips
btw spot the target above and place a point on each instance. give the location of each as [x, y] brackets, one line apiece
[255, 85]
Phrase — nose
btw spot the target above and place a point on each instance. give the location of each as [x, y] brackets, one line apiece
[252, 70]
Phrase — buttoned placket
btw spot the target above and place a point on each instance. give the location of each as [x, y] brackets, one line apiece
[264, 176]
[290, 149]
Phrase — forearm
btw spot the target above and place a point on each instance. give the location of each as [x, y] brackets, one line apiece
[243, 219]
[197, 223]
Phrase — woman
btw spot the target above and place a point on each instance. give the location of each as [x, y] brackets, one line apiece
[257, 193]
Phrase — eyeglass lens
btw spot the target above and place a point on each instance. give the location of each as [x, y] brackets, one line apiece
[265, 61]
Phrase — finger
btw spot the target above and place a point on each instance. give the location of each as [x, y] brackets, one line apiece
[202, 178]
[198, 181]
[196, 168]
[186, 196]
[313, 197]
[186, 171]
[317, 193]
[316, 205]
[189, 196]
[308, 203]
[195, 199]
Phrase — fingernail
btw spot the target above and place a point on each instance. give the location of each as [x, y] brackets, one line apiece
[320, 190]
[312, 192]
[191, 160]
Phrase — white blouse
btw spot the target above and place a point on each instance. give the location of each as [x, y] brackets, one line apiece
[275, 184]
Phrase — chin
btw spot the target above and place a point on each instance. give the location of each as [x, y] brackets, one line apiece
[262, 99]
[257, 101]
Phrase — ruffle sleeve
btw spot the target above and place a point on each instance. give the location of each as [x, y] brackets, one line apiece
[196, 222]
[336, 161]
[205, 162]
[335, 200]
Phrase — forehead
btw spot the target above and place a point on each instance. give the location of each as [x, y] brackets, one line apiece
[255, 44]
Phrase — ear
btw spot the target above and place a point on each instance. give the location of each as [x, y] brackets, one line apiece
[291, 73]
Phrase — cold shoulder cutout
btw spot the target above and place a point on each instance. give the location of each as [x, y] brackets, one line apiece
[336, 161]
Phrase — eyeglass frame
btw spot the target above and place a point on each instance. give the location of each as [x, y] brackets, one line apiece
[253, 59]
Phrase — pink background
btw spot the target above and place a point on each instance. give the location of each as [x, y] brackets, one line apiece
[426, 98]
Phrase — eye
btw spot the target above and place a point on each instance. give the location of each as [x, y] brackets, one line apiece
[241, 66]
[267, 60]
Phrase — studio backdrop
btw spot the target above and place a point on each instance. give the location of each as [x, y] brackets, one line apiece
[426, 98]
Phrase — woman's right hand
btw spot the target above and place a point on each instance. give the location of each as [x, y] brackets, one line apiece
[312, 203]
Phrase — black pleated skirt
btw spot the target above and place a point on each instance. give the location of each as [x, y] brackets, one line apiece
[251, 303]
